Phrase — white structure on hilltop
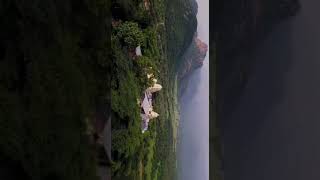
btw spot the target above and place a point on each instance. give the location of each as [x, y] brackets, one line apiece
[156, 87]
[138, 51]
[147, 112]
[153, 115]
[147, 107]
[147, 103]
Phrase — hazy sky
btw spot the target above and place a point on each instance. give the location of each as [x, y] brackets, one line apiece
[194, 108]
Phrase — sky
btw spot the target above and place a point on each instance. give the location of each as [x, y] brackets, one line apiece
[193, 149]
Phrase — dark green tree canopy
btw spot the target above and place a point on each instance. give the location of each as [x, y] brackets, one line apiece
[130, 34]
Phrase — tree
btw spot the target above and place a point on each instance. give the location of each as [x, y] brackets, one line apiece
[130, 34]
[144, 66]
[51, 78]
[145, 62]
[143, 18]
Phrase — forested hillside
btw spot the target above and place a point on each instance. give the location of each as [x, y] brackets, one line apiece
[137, 23]
[181, 23]
[163, 40]
[57, 68]
[54, 69]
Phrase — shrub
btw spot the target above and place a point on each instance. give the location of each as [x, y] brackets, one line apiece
[130, 34]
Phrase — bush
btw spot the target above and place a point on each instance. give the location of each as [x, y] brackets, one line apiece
[130, 34]
[144, 66]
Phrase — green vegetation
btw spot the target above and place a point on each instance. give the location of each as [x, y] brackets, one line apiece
[151, 155]
[132, 151]
[54, 67]
[130, 34]
[180, 29]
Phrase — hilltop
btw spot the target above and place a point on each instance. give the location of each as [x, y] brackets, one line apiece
[163, 41]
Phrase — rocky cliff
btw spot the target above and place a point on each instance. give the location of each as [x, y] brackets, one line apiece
[189, 51]
[193, 57]
[191, 60]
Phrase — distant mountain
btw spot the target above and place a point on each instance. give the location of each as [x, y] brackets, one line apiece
[193, 57]
[181, 24]
[191, 60]
[185, 49]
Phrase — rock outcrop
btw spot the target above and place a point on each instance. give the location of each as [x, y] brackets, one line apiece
[193, 57]
[191, 60]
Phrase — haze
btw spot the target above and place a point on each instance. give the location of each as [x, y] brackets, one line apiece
[193, 149]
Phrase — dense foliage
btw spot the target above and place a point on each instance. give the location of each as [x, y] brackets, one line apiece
[180, 29]
[126, 121]
[53, 70]
[151, 155]
[130, 34]
[135, 154]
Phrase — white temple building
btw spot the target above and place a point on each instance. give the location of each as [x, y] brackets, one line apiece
[156, 87]
[147, 112]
